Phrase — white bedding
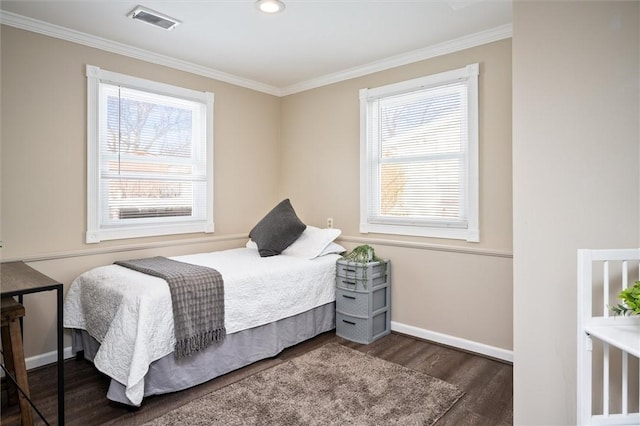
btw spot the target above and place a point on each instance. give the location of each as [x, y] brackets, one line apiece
[130, 313]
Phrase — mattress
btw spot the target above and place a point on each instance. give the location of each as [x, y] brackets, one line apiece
[129, 313]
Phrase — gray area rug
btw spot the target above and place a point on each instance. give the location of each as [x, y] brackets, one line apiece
[332, 385]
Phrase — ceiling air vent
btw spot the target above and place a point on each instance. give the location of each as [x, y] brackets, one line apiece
[154, 18]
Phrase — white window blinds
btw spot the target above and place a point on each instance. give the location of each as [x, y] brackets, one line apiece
[419, 151]
[152, 160]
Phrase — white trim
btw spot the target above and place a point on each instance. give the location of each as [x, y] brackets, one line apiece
[426, 246]
[468, 345]
[56, 31]
[95, 235]
[106, 76]
[93, 154]
[470, 235]
[427, 81]
[483, 37]
[209, 100]
[477, 39]
[456, 342]
[47, 358]
[453, 341]
[473, 154]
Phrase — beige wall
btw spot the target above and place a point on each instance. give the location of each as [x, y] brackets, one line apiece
[43, 157]
[434, 287]
[576, 139]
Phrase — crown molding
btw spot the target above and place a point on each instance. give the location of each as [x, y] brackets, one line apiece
[56, 31]
[451, 46]
[466, 42]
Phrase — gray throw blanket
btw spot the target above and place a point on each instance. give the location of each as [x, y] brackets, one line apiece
[197, 294]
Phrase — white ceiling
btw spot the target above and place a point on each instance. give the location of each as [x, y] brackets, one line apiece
[313, 42]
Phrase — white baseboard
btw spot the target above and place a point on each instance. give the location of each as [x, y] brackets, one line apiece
[47, 358]
[434, 336]
[456, 342]
[44, 359]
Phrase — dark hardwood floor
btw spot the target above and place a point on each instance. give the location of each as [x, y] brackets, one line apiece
[488, 384]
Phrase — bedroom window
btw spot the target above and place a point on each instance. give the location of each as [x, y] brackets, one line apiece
[419, 157]
[149, 158]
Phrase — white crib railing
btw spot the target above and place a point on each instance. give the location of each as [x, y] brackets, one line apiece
[621, 333]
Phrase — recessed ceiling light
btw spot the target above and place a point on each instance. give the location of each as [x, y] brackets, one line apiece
[154, 18]
[270, 6]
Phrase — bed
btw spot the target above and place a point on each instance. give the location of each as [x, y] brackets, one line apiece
[122, 320]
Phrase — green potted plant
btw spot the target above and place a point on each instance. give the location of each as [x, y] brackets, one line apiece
[362, 254]
[630, 301]
[365, 257]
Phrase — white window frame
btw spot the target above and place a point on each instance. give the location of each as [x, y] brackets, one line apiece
[97, 229]
[469, 231]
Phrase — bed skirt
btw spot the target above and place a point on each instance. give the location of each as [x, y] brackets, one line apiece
[237, 350]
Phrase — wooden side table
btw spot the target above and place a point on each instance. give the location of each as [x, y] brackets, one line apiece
[18, 279]
[13, 354]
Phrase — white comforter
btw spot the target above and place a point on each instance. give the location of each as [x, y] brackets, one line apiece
[130, 313]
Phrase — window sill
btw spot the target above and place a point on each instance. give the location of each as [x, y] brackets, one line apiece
[125, 232]
[469, 235]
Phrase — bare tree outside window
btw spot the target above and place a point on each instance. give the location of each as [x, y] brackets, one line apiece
[415, 133]
[148, 140]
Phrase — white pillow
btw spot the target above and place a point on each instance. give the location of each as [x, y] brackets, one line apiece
[312, 242]
[333, 248]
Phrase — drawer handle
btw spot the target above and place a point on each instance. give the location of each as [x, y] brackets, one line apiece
[348, 282]
[349, 270]
[349, 322]
[348, 297]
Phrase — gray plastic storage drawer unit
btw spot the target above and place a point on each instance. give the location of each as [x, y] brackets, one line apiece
[363, 308]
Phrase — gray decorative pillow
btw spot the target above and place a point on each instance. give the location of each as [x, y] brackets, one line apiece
[277, 230]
